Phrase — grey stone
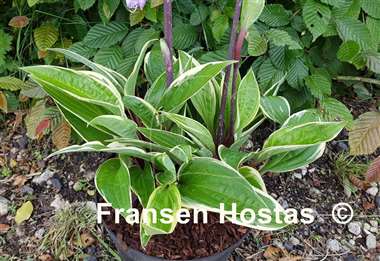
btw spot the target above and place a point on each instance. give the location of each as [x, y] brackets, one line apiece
[55, 183]
[372, 191]
[297, 175]
[333, 245]
[294, 241]
[91, 205]
[355, 228]
[26, 190]
[374, 223]
[44, 177]
[315, 193]
[4, 206]
[39, 233]
[371, 241]
[59, 203]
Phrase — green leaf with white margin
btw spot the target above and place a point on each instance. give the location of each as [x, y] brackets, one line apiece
[300, 137]
[130, 87]
[78, 113]
[193, 128]
[142, 183]
[119, 126]
[276, 108]
[234, 158]
[77, 85]
[205, 183]
[250, 12]
[204, 102]
[317, 17]
[164, 163]
[144, 110]
[165, 138]
[182, 153]
[163, 197]
[248, 100]
[117, 79]
[113, 182]
[296, 159]
[115, 147]
[87, 133]
[293, 160]
[253, 177]
[189, 83]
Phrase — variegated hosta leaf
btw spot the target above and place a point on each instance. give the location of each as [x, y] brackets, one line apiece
[300, 137]
[248, 100]
[205, 183]
[276, 108]
[253, 177]
[163, 197]
[189, 83]
[79, 86]
[364, 137]
[113, 182]
[117, 125]
[194, 129]
[293, 160]
[115, 78]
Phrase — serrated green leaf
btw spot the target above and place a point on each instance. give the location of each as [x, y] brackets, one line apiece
[105, 35]
[110, 57]
[184, 36]
[282, 38]
[45, 36]
[350, 29]
[275, 15]
[371, 7]
[317, 17]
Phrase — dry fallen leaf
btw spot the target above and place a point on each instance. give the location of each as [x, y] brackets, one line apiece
[373, 173]
[19, 181]
[87, 239]
[45, 257]
[272, 253]
[19, 21]
[24, 212]
[4, 228]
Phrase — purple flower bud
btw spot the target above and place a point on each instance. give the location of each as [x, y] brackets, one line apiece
[135, 4]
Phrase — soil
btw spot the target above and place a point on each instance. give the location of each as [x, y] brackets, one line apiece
[188, 241]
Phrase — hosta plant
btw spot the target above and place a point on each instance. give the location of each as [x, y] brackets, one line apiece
[177, 142]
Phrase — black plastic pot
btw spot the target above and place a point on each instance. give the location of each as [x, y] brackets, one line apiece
[135, 255]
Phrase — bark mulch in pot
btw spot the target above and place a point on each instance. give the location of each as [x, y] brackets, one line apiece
[188, 241]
